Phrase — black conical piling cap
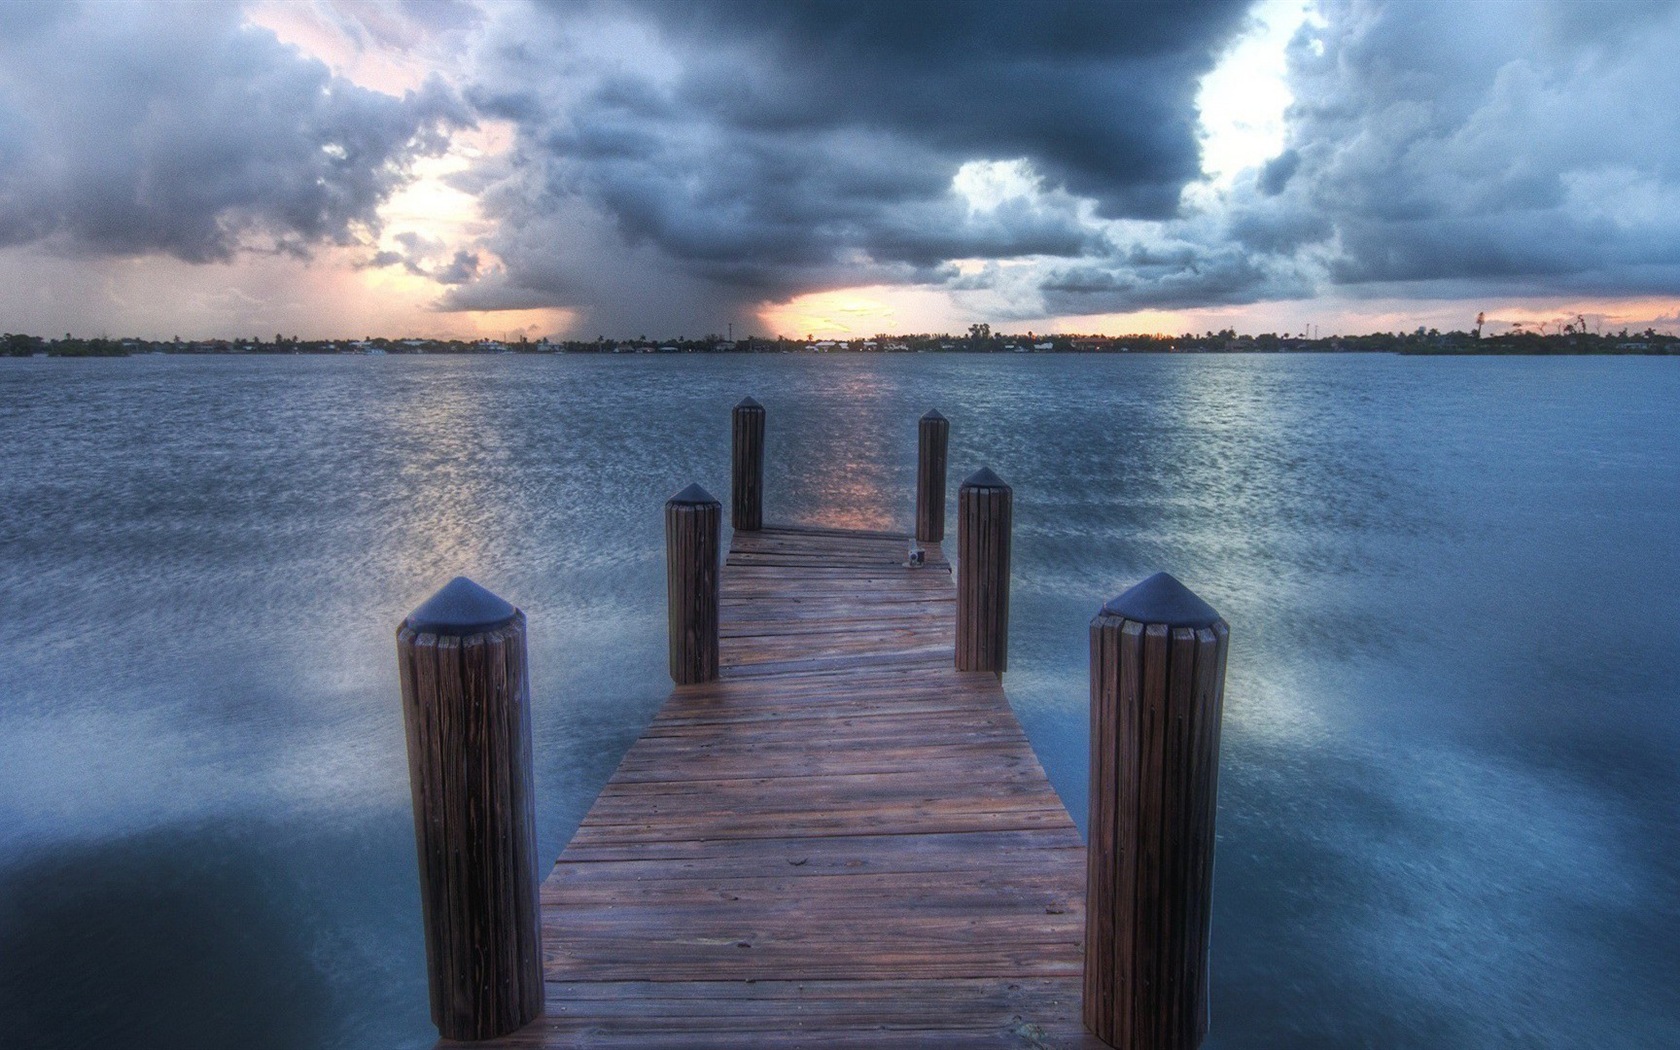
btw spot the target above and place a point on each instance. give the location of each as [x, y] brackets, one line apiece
[461, 607]
[933, 415]
[1162, 599]
[747, 402]
[984, 479]
[694, 495]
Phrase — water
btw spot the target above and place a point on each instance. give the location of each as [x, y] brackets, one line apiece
[1449, 787]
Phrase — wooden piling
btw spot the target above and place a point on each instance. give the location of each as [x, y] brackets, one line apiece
[466, 704]
[985, 506]
[692, 520]
[1157, 689]
[746, 499]
[933, 434]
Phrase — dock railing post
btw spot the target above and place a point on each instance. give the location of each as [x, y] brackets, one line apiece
[746, 498]
[933, 433]
[985, 506]
[692, 521]
[466, 705]
[1157, 689]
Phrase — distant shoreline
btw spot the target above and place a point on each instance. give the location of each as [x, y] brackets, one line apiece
[1666, 347]
[1570, 340]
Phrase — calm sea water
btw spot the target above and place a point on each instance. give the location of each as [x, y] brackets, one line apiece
[1449, 790]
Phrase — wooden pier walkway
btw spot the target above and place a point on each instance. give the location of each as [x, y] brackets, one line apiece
[842, 842]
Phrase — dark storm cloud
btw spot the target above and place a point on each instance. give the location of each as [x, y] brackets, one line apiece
[757, 150]
[1100, 96]
[1187, 277]
[129, 129]
[1522, 146]
[1439, 149]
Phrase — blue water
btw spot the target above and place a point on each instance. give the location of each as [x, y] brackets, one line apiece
[1449, 788]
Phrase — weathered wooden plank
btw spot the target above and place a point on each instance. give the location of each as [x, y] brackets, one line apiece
[823, 855]
[715, 862]
[820, 532]
[852, 753]
[954, 727]
[820, 696]
[713, 1015]
[878, 818]
[928, 657]
[864, 620]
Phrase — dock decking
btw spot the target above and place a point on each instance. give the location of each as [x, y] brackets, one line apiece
[843, 842]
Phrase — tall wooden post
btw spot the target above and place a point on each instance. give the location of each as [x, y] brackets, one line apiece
[692, 520]
[985, 506]
[933, 434]
[1157, 689]
[466, 703]
[746, 499]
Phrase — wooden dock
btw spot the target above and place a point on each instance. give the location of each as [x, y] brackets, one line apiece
[841, 842]
[834, 833]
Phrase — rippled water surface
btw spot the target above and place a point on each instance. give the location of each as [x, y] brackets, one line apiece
[1449, 790]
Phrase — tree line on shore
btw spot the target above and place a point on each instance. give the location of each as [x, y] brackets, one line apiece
[978, 339]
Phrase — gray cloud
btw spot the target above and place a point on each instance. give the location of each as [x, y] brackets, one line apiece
[1445, 146]
[1438, 150]
[460, 269]
[752, 151]
[1187, 276]
[429, 257]
[129, 128]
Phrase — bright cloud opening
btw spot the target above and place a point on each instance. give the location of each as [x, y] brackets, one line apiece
[986, 184]
[1243, 99]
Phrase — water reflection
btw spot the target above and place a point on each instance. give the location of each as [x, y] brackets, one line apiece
[837, 448]
[450, 455]
[200, 937]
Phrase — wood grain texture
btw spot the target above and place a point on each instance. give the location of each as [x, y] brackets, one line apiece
[746, 467]
[1156, 702]
[933, 436]
[691, 580]
[466, 707]
[984, 521]
[841, 841]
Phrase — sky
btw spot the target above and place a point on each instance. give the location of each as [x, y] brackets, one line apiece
[467, 168]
